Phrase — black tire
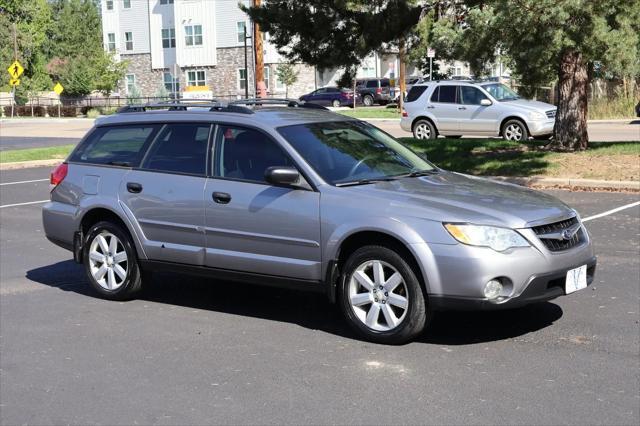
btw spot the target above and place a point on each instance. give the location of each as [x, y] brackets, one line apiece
[455, 137]
[507, 131]
[335, 103]
[424, 130]
[416, 316]
[542, 137]
[367, 100]
[131, 285]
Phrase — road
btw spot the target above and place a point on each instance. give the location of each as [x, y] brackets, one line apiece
[33, 133]
[192, 351]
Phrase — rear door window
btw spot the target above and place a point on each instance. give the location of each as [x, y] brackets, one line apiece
[180, 148]
[116, 145]
[372, 83]
[447, 94]
[415, 93]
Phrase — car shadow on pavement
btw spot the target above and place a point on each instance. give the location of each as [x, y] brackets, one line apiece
[309, 310]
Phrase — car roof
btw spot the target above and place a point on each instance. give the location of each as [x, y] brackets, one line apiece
[264, 116]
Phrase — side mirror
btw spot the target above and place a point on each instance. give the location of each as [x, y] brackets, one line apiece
[282, 176]
[486, 102]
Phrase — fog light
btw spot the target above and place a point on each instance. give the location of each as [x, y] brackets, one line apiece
[492, 289]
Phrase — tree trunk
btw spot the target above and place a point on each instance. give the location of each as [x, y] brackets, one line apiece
[570, 130]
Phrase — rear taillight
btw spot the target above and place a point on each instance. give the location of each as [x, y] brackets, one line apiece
[58, 174]
[404, 113]
[379, 90]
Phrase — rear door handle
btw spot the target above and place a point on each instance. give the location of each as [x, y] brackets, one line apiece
[462, 107]
[221, 197]
[134, 187]
[430, 107]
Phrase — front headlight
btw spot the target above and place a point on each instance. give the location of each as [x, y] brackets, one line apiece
[536, 116]
[499, 239]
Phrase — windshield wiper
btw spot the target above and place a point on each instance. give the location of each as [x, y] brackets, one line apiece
[419, 173]
[365, 181]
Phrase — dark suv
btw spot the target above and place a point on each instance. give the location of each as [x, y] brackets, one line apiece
[376, 90]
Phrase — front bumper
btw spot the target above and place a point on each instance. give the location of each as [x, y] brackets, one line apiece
[540, 288]
[540, 128]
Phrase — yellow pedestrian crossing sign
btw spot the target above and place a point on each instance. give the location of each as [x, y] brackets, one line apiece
[58, 88]
[15, 70]
[14, 82]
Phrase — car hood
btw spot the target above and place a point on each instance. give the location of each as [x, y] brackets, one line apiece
[530, 105]
[454, 197]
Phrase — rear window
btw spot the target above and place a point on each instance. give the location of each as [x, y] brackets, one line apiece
[384, 83]
[117, 145]
[415, 93]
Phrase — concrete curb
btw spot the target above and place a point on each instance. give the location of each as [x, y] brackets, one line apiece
[573, 184]
[28, 164]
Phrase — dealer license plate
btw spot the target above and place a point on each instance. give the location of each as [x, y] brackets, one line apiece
[576, 279]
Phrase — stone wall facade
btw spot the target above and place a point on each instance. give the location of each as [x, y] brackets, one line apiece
[222, 79]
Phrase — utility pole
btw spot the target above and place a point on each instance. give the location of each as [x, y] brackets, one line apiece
[246, 68]
[261, 87]
[402, 51]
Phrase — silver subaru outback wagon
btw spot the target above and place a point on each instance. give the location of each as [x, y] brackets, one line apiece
[297, 196]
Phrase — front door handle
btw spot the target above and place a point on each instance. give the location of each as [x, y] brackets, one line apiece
[462, 108]
[134, 188]
[221, 197]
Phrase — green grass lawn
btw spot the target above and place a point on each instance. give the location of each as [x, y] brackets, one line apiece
[48, 153]
[390, 112]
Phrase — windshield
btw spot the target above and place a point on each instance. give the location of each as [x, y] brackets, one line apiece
[343, 152]
[500, 92]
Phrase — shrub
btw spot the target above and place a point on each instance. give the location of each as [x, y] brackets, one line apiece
[92, 113]
[85, 110]
[108, 110]
[68, 111]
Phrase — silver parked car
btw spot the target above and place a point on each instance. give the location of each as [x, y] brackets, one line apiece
[455, 108]
[297, 196]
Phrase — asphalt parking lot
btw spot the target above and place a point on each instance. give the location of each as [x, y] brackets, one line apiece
[199, 352]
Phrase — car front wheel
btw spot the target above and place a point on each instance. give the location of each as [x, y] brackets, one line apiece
[423, 129]
[111, 263]
[381, 296]
[515, 130]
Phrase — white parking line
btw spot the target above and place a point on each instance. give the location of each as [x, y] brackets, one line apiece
[23, 181]
[24, 204]
[612, 211]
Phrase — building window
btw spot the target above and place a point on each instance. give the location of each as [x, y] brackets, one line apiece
[196, 78]
[171, 83]
[279, 84]
[109, 4]
[111, 42]
[128, 40]
[166, 1]
[126, 4]
[242, 78]
[131, 82]
[240, 26]
[193, 35]
[168, 37]
[267, 76]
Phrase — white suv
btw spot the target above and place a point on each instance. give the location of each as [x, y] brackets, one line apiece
[455, 108]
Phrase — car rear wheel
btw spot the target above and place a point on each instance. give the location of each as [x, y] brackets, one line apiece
[111, 263]
[423, 129]
[381, 296]
[367, 100]
[515, 130]
[336, 103]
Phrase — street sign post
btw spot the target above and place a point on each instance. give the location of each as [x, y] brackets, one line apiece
[431, 53]
[58, 88]
[15, 70]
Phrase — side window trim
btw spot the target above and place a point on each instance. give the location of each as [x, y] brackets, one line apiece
[215, 154]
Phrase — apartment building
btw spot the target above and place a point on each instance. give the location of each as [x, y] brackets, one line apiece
[191, 47]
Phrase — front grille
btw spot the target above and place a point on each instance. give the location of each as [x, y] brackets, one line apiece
[552, 237]
[551, 113]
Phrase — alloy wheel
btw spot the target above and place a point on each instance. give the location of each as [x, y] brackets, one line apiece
[108, 261]
[513, 132]
[422, 131]
[378, 295]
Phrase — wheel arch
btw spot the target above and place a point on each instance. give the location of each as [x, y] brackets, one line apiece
[512, 117]
[424, 117]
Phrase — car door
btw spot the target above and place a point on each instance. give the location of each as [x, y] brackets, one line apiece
[252, 226]
[442, 105]
[320, 97]
[475, 118]
[165, 195]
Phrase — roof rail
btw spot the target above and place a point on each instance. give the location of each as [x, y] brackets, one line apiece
[293, 103]
[184, 106]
